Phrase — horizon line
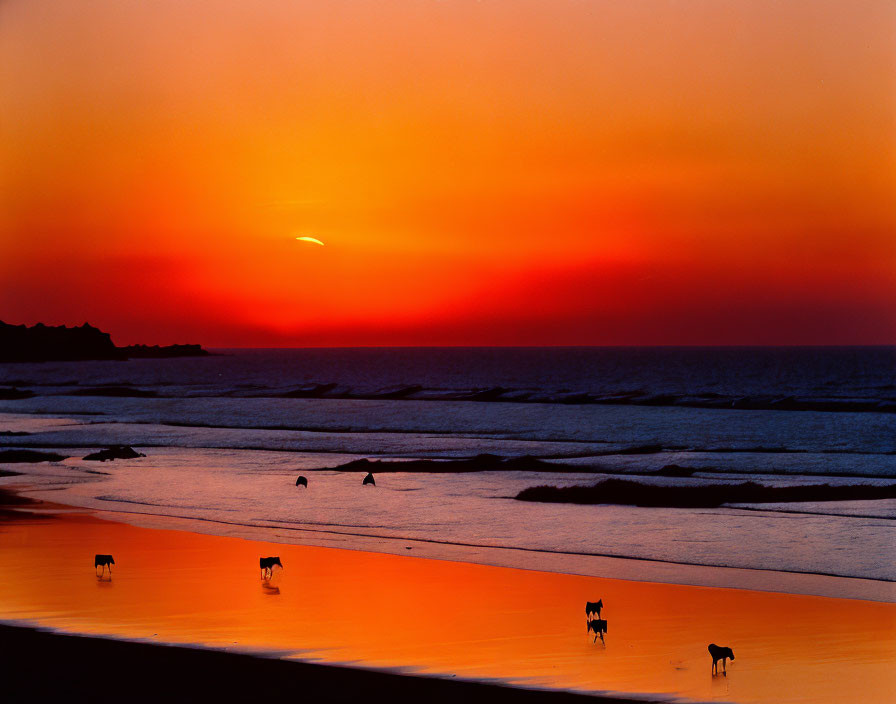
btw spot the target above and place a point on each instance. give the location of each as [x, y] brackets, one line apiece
[883, 345]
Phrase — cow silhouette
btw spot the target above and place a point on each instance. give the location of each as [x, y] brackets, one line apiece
[720, 653]
[104, 561]
[302, 481]
[267, 566]
[369, 480]
[593, 607]
[599, 626]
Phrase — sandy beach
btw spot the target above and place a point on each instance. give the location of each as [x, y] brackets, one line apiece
[84, 668]
[430, 617]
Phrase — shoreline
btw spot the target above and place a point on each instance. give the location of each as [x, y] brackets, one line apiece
[630, 568]
[205, 483]
[373, 611]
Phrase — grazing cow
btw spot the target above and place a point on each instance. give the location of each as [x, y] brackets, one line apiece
[720, 653]
[369, 480]
[267, 565]
[302, 481]
[599, 626]
[593, 607]
[104, 561]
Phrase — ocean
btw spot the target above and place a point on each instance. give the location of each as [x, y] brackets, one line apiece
[225, 437]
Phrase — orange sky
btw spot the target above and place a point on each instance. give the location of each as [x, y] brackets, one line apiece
[494, 172]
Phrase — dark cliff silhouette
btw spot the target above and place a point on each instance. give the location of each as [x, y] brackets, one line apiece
[44, 343]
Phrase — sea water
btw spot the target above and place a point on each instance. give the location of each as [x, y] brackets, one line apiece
[225, 437]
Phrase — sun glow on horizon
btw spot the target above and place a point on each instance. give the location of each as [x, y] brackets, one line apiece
[499, 173]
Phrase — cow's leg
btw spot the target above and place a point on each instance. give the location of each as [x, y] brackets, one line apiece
[725, 665]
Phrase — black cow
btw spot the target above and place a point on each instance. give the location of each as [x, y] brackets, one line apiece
[369, 480]
[719, 653]
[104, 561]
[302, 481]
[593, 607]
[267, 565]
[599, 626]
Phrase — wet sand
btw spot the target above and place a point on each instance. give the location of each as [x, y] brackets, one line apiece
[436, 617]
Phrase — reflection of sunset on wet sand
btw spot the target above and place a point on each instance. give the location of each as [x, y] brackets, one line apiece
[445, 617]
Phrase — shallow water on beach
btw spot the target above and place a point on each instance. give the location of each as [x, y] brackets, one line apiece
[446, 618]
[225, 437]
[473, 517]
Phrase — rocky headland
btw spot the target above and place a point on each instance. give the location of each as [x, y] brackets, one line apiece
[45, 343]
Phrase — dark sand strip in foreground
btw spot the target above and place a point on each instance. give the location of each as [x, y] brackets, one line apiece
[41, 665]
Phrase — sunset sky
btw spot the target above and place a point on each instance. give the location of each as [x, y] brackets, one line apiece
[509, 172]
